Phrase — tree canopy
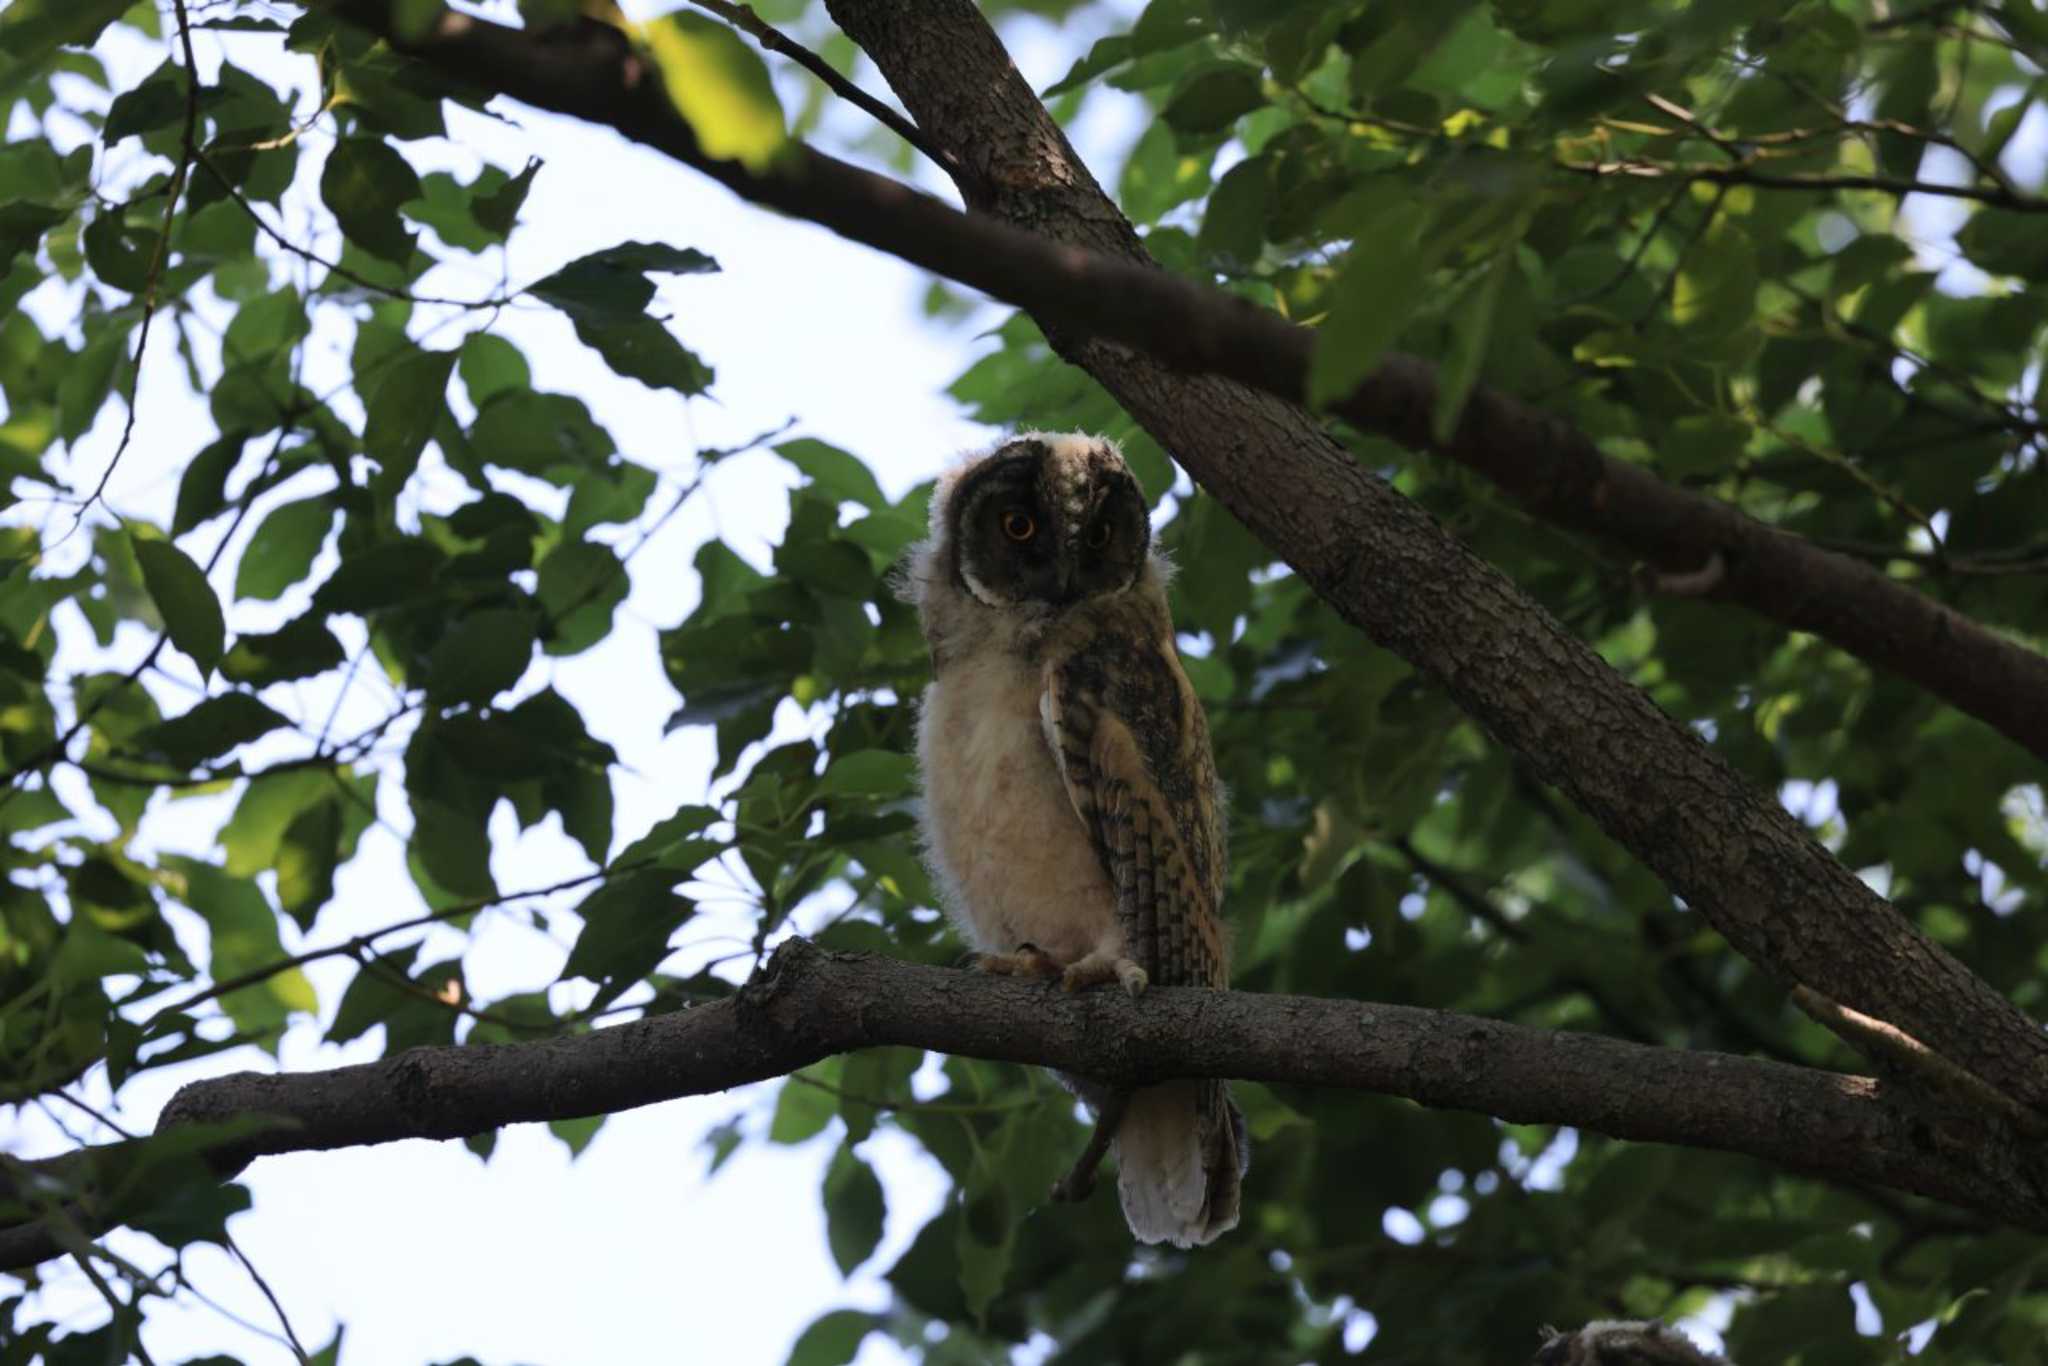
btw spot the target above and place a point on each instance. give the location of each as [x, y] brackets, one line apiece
[1602, 442]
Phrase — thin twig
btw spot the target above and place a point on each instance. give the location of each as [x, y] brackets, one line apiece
[77, 1104]
[742, 17]
[335, 267]
[1746, 173]
[283, 1319]
[1885, 1043]
[188, 150]
[362, 942]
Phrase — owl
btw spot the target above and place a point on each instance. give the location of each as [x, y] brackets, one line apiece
[1072, 816]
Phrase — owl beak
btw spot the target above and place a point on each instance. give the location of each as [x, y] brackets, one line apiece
[1069, 594]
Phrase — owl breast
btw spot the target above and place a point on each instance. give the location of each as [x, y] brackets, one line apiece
[1013, 859]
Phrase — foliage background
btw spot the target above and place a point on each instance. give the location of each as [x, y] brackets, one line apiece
[395, 473]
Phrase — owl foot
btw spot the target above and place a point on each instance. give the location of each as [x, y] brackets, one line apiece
[1101, 966]
[1080, 1178]
[1028, 960]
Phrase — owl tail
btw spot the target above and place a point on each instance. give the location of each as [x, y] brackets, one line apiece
[1181, 1154]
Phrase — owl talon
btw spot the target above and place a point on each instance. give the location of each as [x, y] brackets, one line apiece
[1100, 967]
[1028, 960]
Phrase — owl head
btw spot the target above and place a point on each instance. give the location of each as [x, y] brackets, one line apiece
[1045, 520]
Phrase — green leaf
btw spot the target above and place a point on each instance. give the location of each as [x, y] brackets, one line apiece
[268, 806]
[720, 86]
[453, 849]
[384, 575]
[22, 225]
[363, 184]
[670, 835]
[158, 102]
[580, 584]
[265, 327]
[490, 365]
[121, 253]
[854, 1210]
[191, 612]
[209, 730]
[613, 283]
[202, 490]
[401, 413]
[306, 860]
[576, 1133]
[1234, 223]
[548, 435]
[408, 1002]
[869, 773]
[802, 1111]
[1209, 101]
[1386, 277]
[301, 648]
[833, 1339]
[482, 655]
[498, 210]
[643, 349]
[1715, 290]
[1471, 331]
[86, 383]
[627, 925]
[243, 939]
[283, 547]
[605, 295]
[834, 472]
[31, 31]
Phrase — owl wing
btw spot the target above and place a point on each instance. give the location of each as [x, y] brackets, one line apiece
[1133, 749]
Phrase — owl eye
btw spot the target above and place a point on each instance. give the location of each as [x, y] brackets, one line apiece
[1018, 526]
[1098, 536]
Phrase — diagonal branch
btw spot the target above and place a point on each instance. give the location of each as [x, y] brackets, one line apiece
[808, 1004]
[1554, 469]
[1729, 851]
[1733, 854]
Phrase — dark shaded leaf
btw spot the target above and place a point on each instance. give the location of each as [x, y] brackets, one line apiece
[482, 655]
[363, 184]
[209, 730]
[191, 612]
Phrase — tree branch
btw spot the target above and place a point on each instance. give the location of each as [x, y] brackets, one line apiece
[1733, 854]
[1555, 470]
[1745, 172]
[1383, 564]
[807, 1004]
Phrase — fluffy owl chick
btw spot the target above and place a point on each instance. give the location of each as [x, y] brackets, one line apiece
[1072, 814]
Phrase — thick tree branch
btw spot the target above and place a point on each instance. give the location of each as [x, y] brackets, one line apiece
[1380, 561]
[1550, 466]
[1732, 853]
[808, 1004]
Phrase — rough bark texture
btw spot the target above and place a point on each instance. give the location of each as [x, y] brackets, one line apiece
[808, 1004]
[1386, 566]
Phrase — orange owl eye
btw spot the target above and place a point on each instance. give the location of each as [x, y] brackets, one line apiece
[1018, 526]
[1098, 536]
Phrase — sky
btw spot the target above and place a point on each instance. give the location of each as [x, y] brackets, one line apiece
[629, 1252]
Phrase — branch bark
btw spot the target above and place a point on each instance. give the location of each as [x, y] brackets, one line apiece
[1733, 854]
[1551, 467]
[808, 1004]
